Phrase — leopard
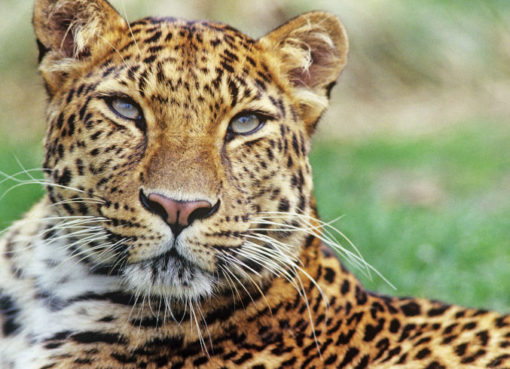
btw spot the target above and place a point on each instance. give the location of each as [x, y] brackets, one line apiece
[179, 227]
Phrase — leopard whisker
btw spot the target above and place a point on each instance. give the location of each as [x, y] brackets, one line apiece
[130, 29]
[322, 226]
[237, 264]
[204, 323]
[13, 177]
[76, 232]
[32, 181]
[308, 308]
[84, 200]
[235, 291]
[75, 224]
[272, 261]
[353, 258]
[325, 227]
[283, 269]
[194, 319]
[291, 262]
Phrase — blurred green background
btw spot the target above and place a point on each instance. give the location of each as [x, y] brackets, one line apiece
[414, 152]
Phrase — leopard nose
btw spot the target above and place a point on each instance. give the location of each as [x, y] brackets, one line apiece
[177, 214]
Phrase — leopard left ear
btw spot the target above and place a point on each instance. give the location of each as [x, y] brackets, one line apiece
[311, 51]
[73, 31]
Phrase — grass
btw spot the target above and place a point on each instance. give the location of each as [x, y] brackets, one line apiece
[432, 214]
[16, 200]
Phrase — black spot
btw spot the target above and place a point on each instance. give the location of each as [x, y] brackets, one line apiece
[107, 319]
[329, 275]
[302, 203]
[498, 361]
[469, 326]
[227, 66]
[423, 353]
[438, 311]
[349, 356]
[200, 361]
[392, 353]
[173, 342]
[484, 337]
[147, 322]
[383, 345]
[295, 144]
[371, 331]
[80, 89]
[435, 365]
[284, 205]
[10, 311]
[344, 338]
[83, 109]
[500, 322]
[289, 363]
[97, 337]
[153, 38]
[246, 356]
[234, 92]
[124, 359]
[65, 178]
[70, 124]
[406, 331]
[60, 151]
[449, 329]
[149, 59]
[361, 296]
[131, 72]
[79, 166]
[108, 71]
[411, 309]
[289, 165]
[53, 345]
[331, 359]
[423, 340]
[346, 286]
[460, 350]
[363, 363]
[82, 361]
[448, 339]
[335, 328]
[472, 358]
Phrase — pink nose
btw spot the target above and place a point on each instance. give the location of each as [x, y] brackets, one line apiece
[177, 214]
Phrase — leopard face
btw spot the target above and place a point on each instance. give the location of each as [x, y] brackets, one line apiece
[180, 147]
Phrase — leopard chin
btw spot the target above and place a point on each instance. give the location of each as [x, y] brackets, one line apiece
[170, 276]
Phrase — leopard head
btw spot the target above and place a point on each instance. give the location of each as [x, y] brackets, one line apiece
[180, 149]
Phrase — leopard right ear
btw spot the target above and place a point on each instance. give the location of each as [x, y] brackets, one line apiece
[311, 52]
[72, 31]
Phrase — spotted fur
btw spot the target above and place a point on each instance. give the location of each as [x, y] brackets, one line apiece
[97, 276]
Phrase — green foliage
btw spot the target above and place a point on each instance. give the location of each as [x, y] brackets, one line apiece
[17, 196]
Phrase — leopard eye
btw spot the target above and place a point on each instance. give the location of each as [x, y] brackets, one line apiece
[125, 108]
[246, 124]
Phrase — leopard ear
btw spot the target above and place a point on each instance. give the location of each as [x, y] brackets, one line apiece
[311, 51]
[69, 31]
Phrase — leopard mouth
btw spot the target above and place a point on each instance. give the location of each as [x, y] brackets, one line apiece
[172, 260]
